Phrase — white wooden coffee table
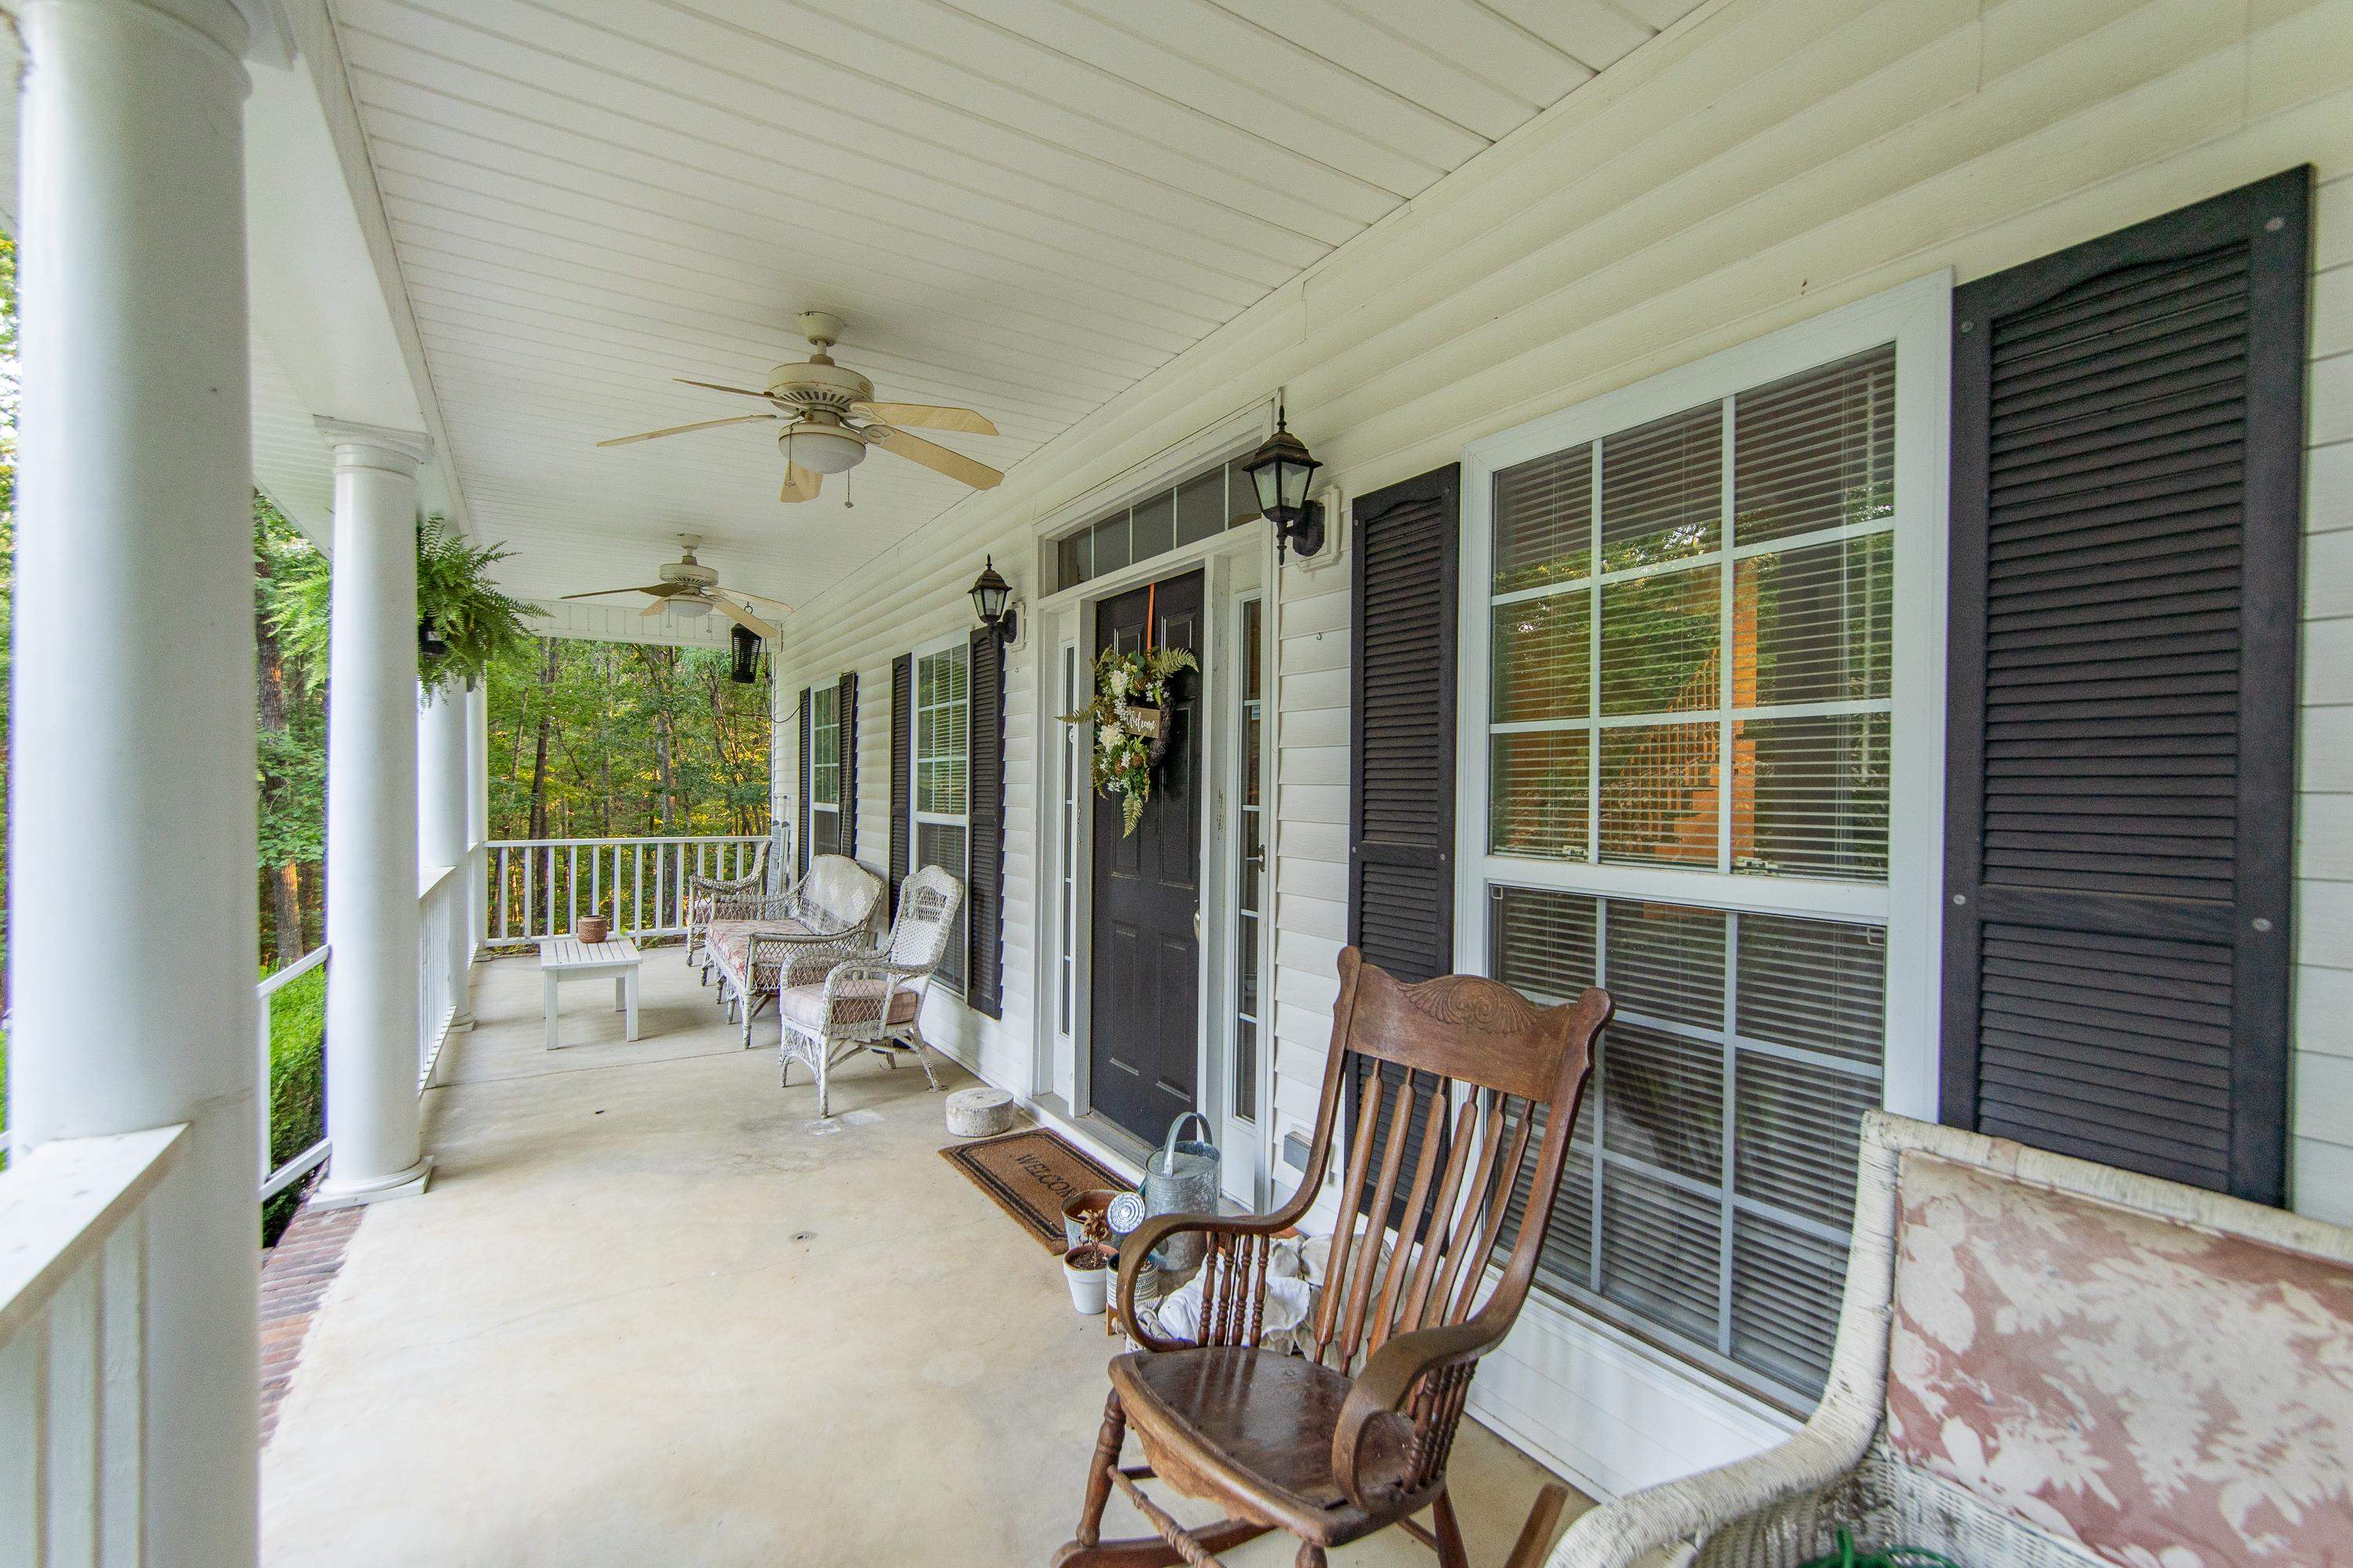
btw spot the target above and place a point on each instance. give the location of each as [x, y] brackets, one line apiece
[563, 958]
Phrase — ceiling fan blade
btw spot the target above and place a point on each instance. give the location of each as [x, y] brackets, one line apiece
[926, 415]
[800, 484]
[715, 386]
[659, 588]
[656, 608]
[742, 617]
[764, 598]
[939, 459]
[681, 429]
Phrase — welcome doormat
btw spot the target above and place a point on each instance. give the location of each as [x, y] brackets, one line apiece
[1031, 1174]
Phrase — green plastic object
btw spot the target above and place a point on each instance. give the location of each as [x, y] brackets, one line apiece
[1846, 1556]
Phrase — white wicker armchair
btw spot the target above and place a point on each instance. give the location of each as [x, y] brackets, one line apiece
[2046, 1363]
[702, 892]
[872, 1000]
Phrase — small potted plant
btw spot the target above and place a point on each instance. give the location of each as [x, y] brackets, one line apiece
[1087, 1265]
[1086, 1268]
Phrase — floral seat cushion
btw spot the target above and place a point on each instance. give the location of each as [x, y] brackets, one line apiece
[2161, 1395]
[731, 948]
[855, 1003]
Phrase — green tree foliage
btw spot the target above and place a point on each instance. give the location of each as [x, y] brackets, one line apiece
[593, 740]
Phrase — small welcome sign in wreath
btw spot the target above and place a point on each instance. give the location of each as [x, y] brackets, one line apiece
[1131, 716]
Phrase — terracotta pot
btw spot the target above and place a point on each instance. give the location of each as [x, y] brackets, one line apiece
[593, 930]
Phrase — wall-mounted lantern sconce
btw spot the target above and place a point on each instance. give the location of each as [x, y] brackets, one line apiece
[430, 643]
[992, 597]
[1281, 469]
[745, 668]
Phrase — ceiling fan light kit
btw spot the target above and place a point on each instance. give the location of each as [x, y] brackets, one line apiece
[830, 418]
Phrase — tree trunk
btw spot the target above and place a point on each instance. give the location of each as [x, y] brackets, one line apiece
[539, 759]
[269, 673]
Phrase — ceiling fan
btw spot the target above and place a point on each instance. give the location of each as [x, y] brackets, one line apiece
[690, 588]
[830, 417]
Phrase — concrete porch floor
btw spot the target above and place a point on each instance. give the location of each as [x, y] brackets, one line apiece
[646, 1315]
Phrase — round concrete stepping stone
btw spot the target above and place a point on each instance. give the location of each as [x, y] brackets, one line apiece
[979, 1112]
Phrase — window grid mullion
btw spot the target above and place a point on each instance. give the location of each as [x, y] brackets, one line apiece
[1728, 1153]
[1593, 736]
[1600, 1078]
[1725, 662]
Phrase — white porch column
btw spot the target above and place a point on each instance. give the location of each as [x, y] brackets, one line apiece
[132, 921]
[444, 794]
[478, 809]
[371, 927]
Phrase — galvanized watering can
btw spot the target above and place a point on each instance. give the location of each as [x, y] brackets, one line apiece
[1182, 1178]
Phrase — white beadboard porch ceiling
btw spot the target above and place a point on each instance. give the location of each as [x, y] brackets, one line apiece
[1019, 206]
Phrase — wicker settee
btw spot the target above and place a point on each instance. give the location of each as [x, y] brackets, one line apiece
[758, 946]
[2043, 1361]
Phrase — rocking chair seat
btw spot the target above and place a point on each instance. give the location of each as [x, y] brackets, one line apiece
[1258, 1424]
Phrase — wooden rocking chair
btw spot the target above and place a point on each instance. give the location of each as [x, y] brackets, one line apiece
[1293, 1442]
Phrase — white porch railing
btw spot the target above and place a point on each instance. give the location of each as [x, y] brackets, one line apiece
[541, 887]
[442, 913]
[73, 1345]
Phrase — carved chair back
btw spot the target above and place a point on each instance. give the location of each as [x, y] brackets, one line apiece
[1449, 1080]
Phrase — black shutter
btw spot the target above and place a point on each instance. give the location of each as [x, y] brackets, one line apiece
[985, 899]
[801, 838]
[1404, 602]
[846, 710]
[2128, 435]
[903, 770]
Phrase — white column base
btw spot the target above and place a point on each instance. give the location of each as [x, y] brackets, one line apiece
[333, 1194]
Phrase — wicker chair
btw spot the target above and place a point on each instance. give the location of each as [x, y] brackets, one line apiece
[2046, 1363]
[759, 946]
[702, 892]
[1294, 1442]
[871, 1000]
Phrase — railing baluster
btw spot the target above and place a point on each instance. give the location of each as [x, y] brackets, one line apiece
[572, 889]
[504, 927]
[24, 1445]
[122, 1391]
[529, 854]
[75, 1325]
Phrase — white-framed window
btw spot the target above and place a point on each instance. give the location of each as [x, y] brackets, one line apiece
[825, 771]
[1702, 745]
[939, 811]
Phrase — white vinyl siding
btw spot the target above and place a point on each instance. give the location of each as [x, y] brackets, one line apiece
[1850, 145]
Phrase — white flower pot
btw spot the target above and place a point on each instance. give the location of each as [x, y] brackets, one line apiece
[1089, 1286]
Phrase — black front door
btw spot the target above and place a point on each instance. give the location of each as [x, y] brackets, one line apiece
[1144, 1018]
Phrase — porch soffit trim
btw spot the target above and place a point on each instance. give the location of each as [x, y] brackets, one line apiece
[312, 42]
